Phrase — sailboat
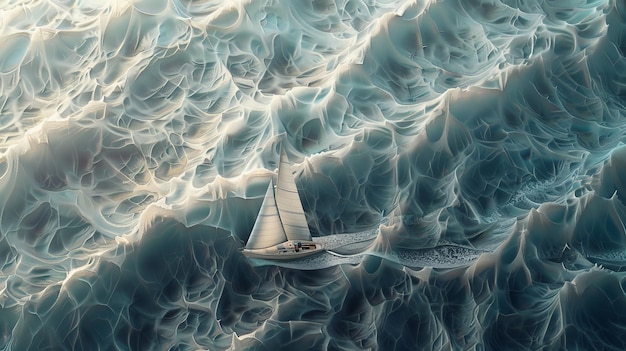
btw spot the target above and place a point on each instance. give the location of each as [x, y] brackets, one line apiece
[281, 231]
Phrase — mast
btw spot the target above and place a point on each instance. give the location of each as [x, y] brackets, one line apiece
[288, 201]
[267, 230]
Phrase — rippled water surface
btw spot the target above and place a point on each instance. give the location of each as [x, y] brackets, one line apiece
[464, 160]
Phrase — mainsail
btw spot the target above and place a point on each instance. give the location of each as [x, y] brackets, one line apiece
[289, 206]
[267, 230]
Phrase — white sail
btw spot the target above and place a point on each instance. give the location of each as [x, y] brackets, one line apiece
[268, 229]
[288, 202]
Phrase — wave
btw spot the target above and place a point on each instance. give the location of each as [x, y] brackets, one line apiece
[137, 140]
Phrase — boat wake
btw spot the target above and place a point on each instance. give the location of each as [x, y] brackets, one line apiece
[353, 248]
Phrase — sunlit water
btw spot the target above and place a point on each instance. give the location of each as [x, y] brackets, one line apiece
[137, 139]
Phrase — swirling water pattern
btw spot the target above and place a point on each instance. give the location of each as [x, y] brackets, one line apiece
[137, 139]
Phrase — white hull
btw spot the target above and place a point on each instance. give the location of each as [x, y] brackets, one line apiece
[288, 250]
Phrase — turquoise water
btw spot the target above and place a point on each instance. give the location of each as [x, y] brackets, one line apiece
[137, 139]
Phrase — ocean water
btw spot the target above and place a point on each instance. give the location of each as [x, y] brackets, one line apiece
[464, 159]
